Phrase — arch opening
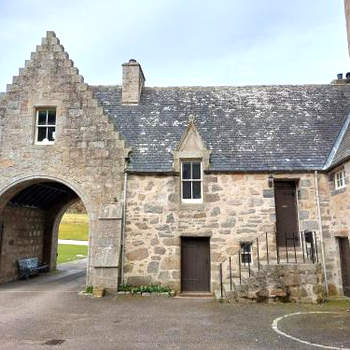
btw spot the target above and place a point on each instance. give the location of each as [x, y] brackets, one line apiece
[30, 216]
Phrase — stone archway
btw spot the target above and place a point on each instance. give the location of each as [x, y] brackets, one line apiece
[30, 211]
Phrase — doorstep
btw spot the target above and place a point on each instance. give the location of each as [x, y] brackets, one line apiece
[201, 295]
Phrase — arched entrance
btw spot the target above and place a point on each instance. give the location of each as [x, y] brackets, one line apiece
[30, 214]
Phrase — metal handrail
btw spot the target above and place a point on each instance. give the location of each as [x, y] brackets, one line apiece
[308, 247]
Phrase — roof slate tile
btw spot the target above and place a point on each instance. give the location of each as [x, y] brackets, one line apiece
[252, 128]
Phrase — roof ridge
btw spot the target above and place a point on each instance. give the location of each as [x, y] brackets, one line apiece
[228, 86]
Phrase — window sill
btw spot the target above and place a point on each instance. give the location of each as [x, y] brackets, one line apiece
[44, 143]
[338, 191]
[192, 206]
[192, 201]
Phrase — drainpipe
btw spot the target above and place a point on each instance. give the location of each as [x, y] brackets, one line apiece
[122, 238]
[321, 234]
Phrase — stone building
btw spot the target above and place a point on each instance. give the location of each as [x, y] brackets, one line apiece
[175, 180]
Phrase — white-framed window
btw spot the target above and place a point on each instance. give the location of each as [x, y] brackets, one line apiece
[339, 179]
[191, 181]
[246, 253]
[45, 128]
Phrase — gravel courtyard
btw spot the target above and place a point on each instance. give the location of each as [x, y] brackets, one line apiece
[47, 312]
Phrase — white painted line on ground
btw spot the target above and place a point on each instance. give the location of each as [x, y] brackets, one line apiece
[275, 328]
[72, 242]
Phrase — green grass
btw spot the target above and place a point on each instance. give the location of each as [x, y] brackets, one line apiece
[341, 304]
[74, 226]
[68, 252]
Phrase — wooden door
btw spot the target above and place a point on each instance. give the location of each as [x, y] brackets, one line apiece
[344, 251]
[195, 264]
[286, 213]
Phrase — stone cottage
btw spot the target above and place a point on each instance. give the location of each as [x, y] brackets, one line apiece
[175, 180]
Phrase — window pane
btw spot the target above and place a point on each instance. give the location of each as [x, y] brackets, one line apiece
[340, 179]
[51, 134]
[196, 189]
[196, 170]
[41, 133]
[186, 189]
[52, 118]
[42, 118]
[246, 258]
[186, 170]
[245, 247]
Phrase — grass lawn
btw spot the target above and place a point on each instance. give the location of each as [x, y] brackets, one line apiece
[68, 252]
[74, 226]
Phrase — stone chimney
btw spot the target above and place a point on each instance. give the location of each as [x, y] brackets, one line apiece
[133, 82]
[341, 80]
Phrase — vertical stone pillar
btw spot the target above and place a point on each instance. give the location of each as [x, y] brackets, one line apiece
[106, 247]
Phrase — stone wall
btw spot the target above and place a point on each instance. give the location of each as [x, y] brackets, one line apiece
[88, 155]
[236, 207]
[301, 283]
[77, 208]
[335, 210]
[22, 237]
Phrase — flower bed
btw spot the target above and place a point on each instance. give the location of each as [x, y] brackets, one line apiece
[145, 290]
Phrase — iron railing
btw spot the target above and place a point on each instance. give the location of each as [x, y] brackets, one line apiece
[301, 247]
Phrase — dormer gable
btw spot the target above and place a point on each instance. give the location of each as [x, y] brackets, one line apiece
[191, 146]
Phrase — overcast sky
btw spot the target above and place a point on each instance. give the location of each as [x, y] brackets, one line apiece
[183, 42]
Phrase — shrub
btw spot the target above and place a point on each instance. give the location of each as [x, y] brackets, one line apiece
[144, 289]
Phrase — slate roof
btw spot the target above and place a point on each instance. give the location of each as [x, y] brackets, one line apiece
[252, 128]
[343, 151]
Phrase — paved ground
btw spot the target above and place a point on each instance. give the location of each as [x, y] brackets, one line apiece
[71, 241]
[48, 309]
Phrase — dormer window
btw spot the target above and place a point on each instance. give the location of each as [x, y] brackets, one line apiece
[339, 179]
[191, 181]
[45, 126]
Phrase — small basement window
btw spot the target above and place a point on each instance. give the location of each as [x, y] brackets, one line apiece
[191, 182]
[45, 126]
[339, 179]
[246, 253]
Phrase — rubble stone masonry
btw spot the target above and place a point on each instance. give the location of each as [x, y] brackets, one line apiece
[236, 207]
[17, 241]
[87, 156]
[335, 208]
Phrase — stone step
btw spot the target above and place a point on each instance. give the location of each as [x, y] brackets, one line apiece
[245, 275]
[195, 295]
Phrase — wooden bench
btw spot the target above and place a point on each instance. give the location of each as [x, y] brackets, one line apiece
[30, 267]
